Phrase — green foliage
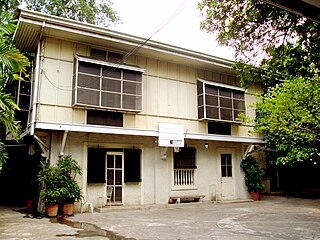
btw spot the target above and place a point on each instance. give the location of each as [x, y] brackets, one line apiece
[70, 190]
[280, 50]
[49, 178]
[270, 43]
[289, 117]
[12, 64]
[59, 185]
[8, 5]
[69, 168]
[98, 12]
[253, 174]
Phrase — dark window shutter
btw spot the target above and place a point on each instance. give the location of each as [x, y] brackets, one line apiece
[185, 158]
[96, 165]
[132, 165]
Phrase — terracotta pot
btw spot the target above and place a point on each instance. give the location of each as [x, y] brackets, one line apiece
[68, 209]
[255, 196]
[52, 209]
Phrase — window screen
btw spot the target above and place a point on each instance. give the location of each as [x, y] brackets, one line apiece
[219, 128]
[107, 85]
[106, 118]
[98, 54]
[219, 103]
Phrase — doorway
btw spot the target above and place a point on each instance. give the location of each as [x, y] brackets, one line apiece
[226, 175]
[114, 175]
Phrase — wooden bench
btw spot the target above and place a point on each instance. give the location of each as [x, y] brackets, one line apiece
[187, 198]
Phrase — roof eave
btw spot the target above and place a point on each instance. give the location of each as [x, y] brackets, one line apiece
[33, 24]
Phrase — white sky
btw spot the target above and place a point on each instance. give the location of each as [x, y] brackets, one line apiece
[143, 17]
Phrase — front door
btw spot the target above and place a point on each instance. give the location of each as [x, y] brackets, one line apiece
[227, 180]
[114, 172]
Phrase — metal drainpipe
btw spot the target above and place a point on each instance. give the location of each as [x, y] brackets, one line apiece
[63, 143]
[36, 84]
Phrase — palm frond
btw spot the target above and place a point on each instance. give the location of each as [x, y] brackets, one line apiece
[7, 23]
[12, 59]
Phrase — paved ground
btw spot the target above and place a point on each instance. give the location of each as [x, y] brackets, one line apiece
[271, 218]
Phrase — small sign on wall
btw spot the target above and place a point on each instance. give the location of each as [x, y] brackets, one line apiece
[171, 135]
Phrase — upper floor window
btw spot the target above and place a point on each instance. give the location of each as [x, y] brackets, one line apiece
[219, 102]
[105, 118]
[107, 85]
[222, 128]
[106, 55]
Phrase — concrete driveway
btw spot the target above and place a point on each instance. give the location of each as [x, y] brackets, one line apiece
[271, 218]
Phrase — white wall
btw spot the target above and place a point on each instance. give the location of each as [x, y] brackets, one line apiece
[169, 95]
[169, 90]
[157, 174]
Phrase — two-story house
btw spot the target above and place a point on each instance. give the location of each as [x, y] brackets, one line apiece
[151, 120]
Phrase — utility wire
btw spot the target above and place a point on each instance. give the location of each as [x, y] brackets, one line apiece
[164, 23]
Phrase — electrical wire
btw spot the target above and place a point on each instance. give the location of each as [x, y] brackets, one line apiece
[164, 23]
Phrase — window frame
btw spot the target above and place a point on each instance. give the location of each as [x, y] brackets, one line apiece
[97, 165]
[201, 95]
[195, 173]
[226, 167]
[100, 63]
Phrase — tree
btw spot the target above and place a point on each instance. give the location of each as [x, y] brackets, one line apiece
[12, 63]
[281, 50]
[98, 12]
[289, 117]
[270, 43]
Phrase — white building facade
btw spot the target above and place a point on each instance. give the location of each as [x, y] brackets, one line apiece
[153, 121]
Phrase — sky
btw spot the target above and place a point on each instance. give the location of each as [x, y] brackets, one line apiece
[174, 22]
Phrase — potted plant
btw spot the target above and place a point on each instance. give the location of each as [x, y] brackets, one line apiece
[69, 188]
[49, 180]
[253, 176]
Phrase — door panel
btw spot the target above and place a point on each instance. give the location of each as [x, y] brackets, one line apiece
[226, 174]
[114, 172]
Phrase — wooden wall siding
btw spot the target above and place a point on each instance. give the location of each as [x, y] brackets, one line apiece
[169, 89]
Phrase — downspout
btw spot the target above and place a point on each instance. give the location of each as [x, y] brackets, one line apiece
[63, 143]
[36, 84]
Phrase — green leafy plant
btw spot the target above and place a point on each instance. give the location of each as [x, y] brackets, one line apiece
[253, 174]
[58, 181]
[70, 190]
[49, 179]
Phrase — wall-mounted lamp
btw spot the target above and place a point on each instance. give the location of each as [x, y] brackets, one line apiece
[206, 144]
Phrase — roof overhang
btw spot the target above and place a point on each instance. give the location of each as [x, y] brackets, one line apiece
[139, 132]
[307, 8]
[33, 25]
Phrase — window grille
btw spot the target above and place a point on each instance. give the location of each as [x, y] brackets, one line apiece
[184, 167]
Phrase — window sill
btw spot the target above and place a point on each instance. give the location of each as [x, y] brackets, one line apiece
[183, 188]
